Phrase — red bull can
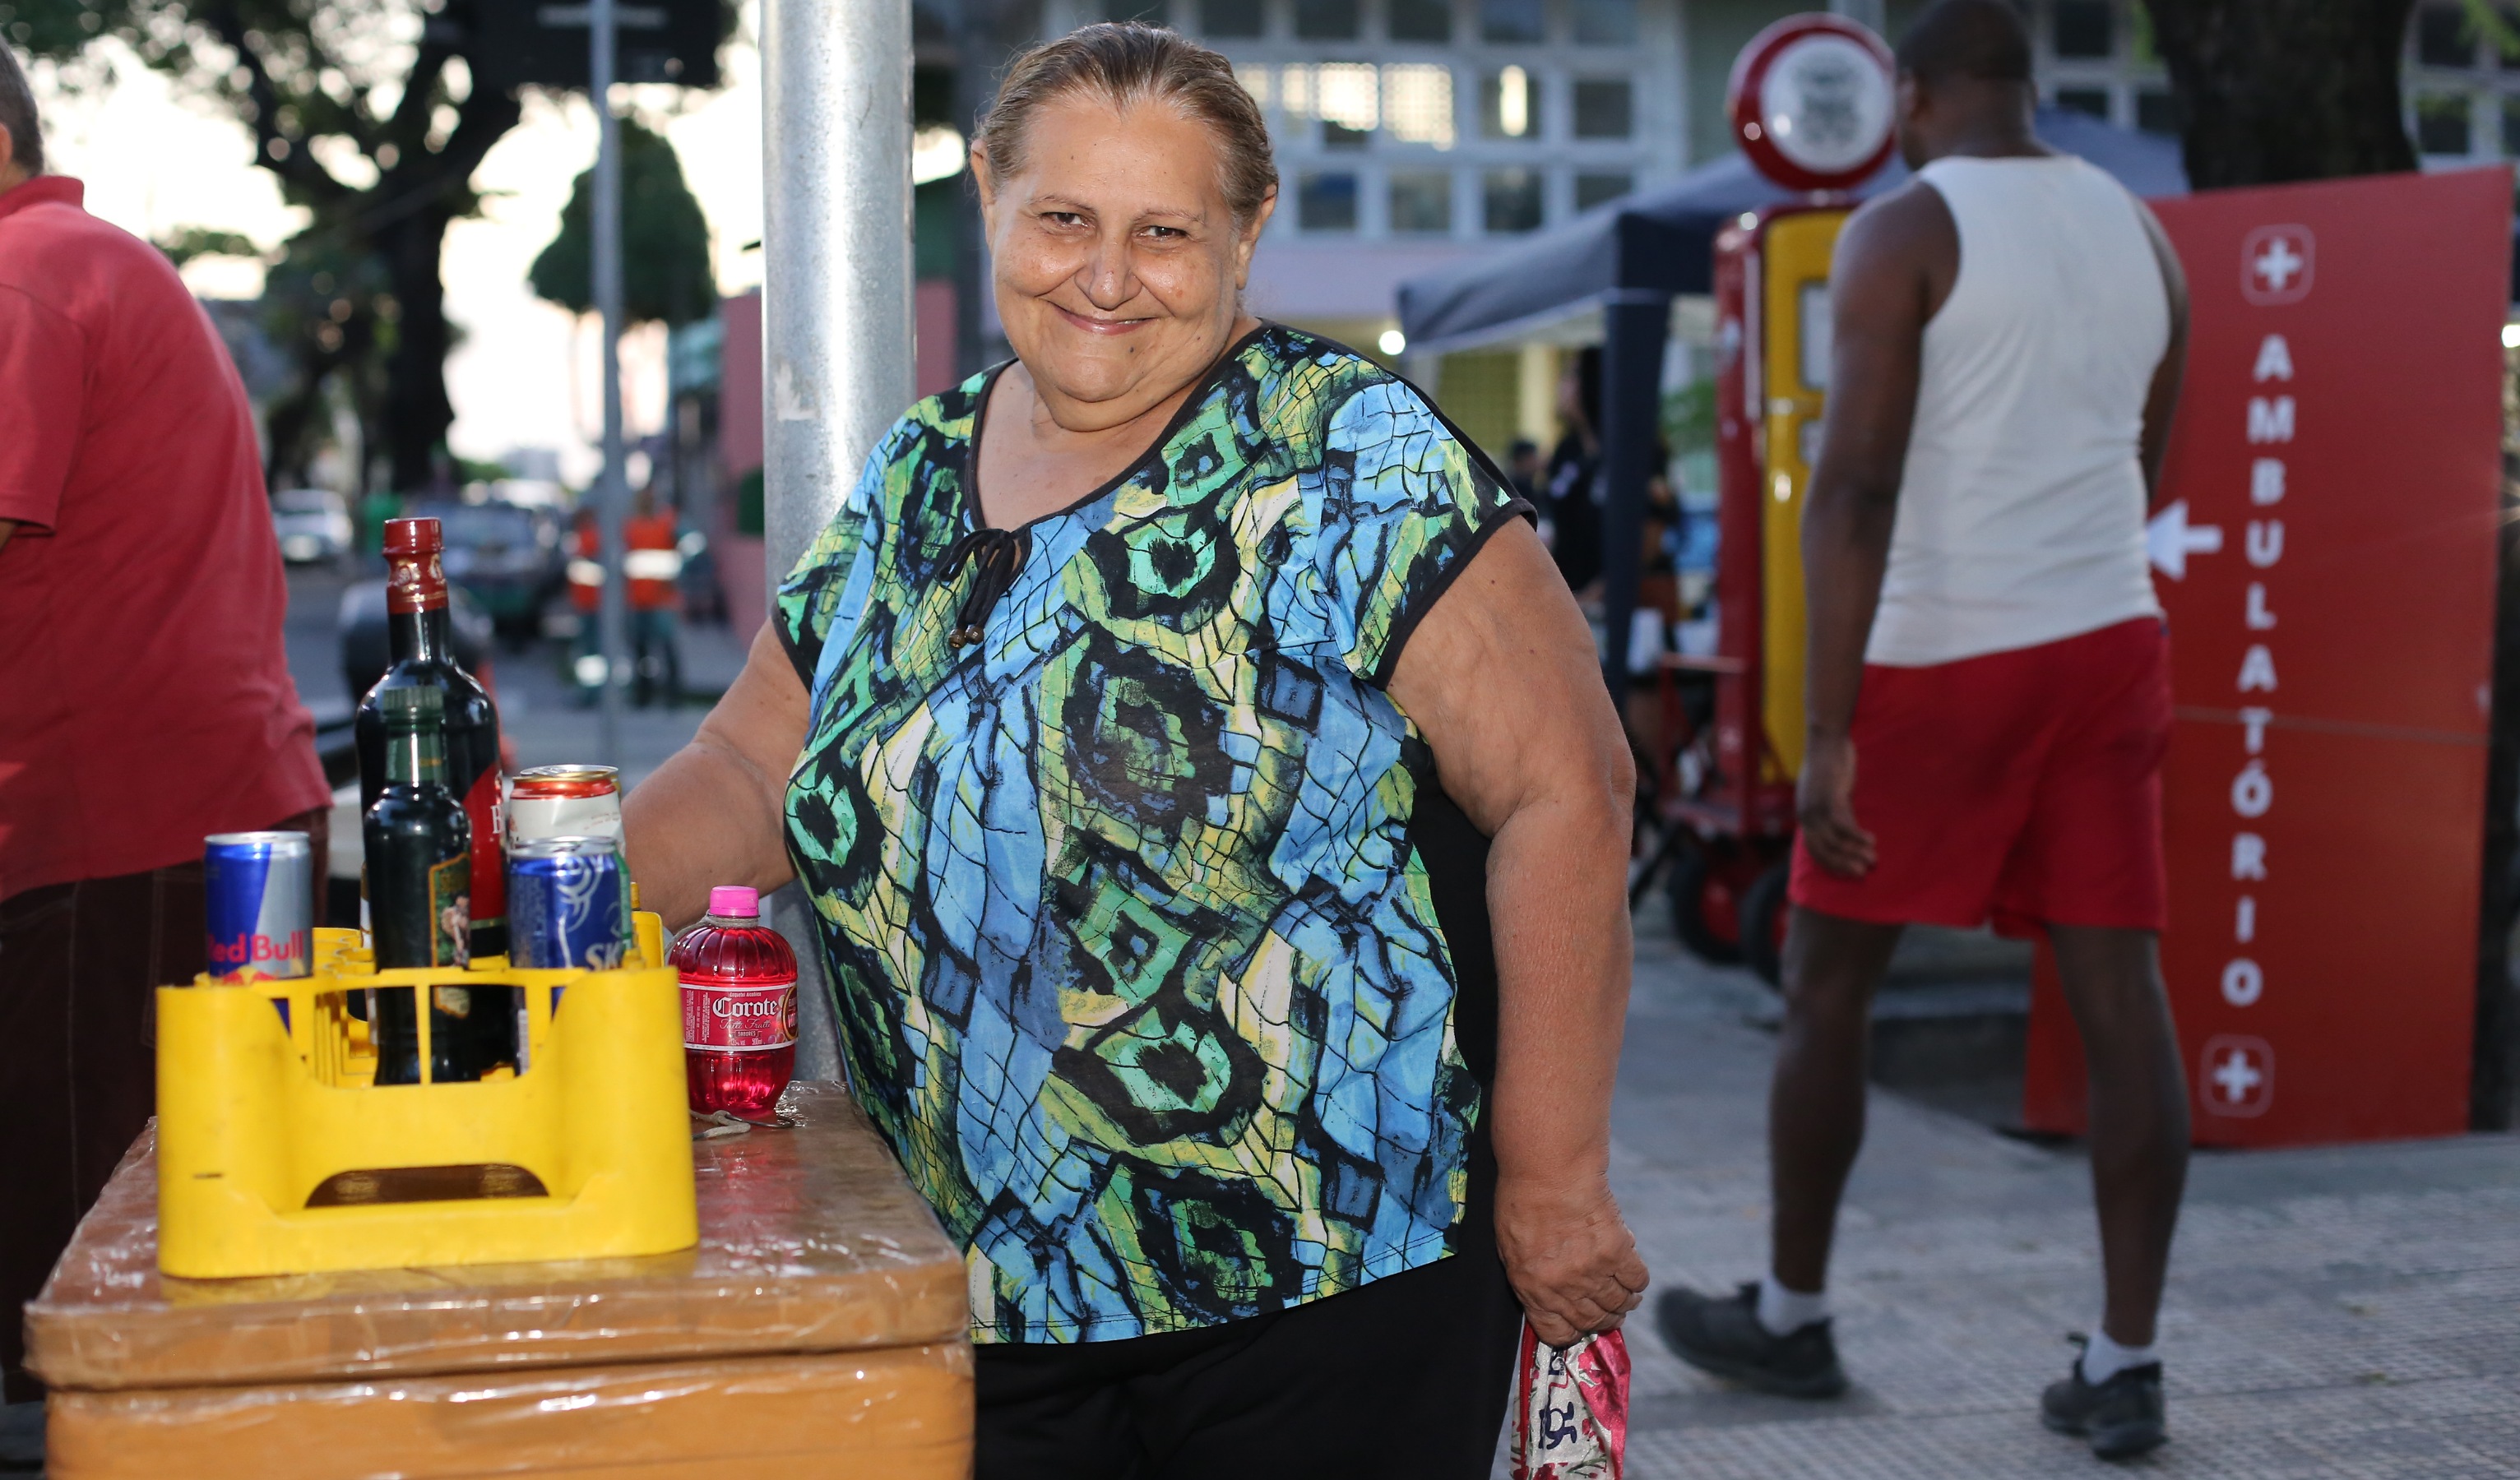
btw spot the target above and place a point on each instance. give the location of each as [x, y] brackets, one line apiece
[567, 904]
[259, 898]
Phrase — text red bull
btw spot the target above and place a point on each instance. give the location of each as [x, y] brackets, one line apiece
[259, 898]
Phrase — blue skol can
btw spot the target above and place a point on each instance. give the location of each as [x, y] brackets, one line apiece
[567, 904]
[259, 898]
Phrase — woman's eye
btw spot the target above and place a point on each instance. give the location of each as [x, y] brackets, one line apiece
[1062, 218]
[1167, 233]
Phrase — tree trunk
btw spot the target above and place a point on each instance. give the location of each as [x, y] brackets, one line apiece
[2277, 90]
[417, 411]
[292, 419]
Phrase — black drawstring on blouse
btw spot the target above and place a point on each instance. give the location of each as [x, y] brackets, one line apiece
[999, 554]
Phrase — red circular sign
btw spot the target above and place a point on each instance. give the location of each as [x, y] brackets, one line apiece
[1812, 101]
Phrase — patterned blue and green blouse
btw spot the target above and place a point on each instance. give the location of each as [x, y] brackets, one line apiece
[1119, 859]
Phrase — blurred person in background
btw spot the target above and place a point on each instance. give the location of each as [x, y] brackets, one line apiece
[2009, 334]
[1216, 831]
[1572, 481]
[148, 696]
[651, 560]
[651, 567]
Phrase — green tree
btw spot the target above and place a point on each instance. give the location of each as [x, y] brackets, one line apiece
[365, 112]
[666, 271]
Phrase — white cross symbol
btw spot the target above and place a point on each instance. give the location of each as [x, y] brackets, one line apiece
[2277, 264]
[2237, 1076]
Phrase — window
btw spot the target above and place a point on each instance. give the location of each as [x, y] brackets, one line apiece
[1604, 107]
[1421, 20]
[1417, 104]
[1510, 21]
[2085, 29]
[2440, 123]
[1421, 202]
[2511, 127]
[2155, 110]
[1592, 190]
[2085, 100]
[1508, 104]
[1150, 12]
[1605, 22]
[1231, 20]
[1326, 201]
[1327, 19]
[1512, 199]
[2443, 38]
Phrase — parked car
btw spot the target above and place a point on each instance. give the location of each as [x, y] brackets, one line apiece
[506, 557]
[367, 637]
[313, 526]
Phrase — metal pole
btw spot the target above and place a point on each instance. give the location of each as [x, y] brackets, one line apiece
[610, 496]
[975, 48]
[838, 331]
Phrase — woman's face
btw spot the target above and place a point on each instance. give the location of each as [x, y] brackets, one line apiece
[1118, 264]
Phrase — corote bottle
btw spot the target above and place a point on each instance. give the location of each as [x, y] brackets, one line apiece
[739, 1007]
[424, 656]
[419, 847]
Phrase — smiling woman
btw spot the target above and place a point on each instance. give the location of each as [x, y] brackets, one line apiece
[1153, 730]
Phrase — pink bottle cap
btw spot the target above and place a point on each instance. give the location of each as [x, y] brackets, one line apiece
[735, 901]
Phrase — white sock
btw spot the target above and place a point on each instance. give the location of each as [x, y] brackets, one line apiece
[2105, 1358]
[1784, 1312]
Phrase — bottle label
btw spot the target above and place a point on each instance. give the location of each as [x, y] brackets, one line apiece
[738, 1019]
[485, 807]
[415, 583]
[450, 912]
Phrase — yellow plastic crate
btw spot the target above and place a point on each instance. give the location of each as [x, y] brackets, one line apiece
[255, 1116]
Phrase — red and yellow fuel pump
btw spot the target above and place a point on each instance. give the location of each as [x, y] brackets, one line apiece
[1811, 109]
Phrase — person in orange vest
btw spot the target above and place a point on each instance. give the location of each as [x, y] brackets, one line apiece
[652, 563]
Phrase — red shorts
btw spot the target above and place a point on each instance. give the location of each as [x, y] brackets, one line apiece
[2022, 787]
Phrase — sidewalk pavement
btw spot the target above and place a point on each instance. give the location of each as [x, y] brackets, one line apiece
[2341, 1312]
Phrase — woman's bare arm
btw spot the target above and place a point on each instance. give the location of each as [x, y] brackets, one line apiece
[712, 814]
[1503, 679]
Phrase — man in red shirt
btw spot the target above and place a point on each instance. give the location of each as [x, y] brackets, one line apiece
[147, 694]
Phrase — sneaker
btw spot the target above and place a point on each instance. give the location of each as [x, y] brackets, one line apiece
[2121, 1417]
[1724, 1336]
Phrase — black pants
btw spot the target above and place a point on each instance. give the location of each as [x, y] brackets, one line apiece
[80, 965]
[1405, 1378]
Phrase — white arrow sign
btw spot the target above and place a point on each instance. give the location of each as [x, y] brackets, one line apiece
[2170, 538]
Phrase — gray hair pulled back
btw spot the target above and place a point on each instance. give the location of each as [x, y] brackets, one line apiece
[1127, 61]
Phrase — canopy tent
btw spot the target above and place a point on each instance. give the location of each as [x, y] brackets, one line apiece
[1628, 258]
[1663, 241]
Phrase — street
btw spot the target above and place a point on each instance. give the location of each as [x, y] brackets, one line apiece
[2338, 1312]
[536, 706]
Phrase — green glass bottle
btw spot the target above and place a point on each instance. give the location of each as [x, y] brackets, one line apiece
[420, 865]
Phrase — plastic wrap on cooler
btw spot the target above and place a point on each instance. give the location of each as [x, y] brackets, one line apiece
[810, 1240]
[902, 1413]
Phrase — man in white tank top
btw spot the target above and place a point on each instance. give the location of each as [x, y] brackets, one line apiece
[1988, 690]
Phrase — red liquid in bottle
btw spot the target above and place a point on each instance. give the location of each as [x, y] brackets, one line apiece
[739, 1007]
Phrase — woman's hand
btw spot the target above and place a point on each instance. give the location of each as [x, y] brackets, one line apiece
[1503, 679]
[1569, 1254]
